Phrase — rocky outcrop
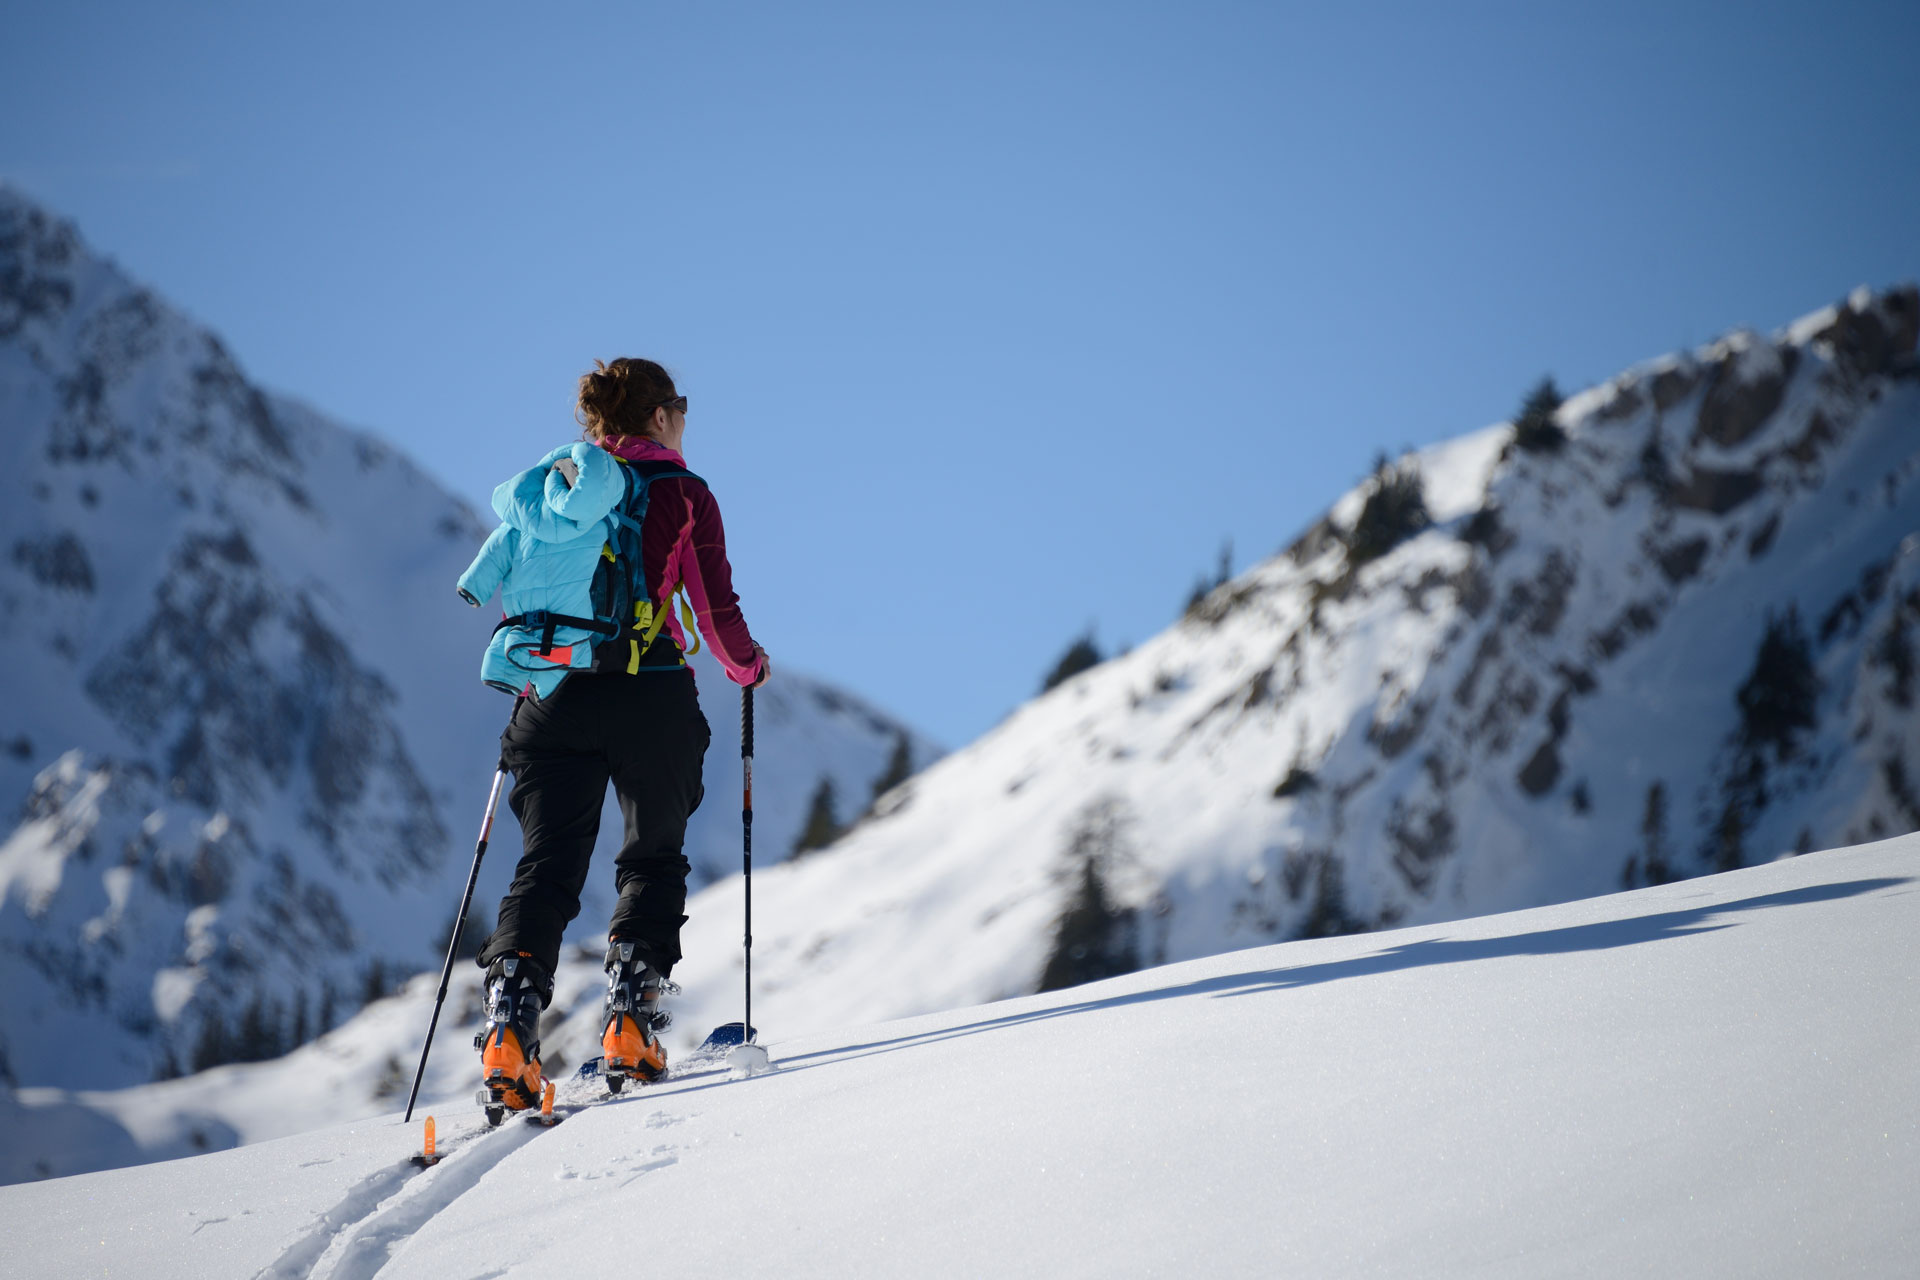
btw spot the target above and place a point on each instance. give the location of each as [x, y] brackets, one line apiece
[233, 749]
[1564, 679]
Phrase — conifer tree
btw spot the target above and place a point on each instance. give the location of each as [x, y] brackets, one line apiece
[1653, 829]
[1395, 510]
[822, 826]
[1094, 938]
[1204, 586]
[211, 1049]
[1536, 429]
[376, 982]
[1779, 697]
[258, 1038]
[899, 766]
[1081, 655]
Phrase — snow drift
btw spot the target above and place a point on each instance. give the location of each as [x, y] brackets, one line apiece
[1707, 1078]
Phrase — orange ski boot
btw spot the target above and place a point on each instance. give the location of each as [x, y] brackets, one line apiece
[628, 1045]
[517, 989]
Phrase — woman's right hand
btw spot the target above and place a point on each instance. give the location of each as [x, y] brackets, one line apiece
[766, 667]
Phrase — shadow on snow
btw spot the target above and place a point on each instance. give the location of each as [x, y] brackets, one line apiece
[1572, 939]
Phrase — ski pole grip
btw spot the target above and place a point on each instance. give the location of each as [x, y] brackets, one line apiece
[746, 724]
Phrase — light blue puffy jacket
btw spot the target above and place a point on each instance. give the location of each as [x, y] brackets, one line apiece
[542, 558]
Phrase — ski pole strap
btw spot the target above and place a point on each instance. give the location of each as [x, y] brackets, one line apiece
[746, 723]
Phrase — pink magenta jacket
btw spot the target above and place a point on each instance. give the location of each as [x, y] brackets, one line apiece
[683, 541]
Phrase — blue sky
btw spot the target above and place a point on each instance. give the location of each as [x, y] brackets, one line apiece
[998, 319]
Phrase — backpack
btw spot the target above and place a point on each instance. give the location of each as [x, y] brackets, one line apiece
[622, 605]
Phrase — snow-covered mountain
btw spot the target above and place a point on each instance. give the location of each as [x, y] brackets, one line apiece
[1675, 634]
[1707, 1079]
[245, 747]
[1664, 628]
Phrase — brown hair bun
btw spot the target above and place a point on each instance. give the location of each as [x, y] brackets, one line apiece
[618, 399]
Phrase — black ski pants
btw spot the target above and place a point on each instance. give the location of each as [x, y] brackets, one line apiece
[646, 735]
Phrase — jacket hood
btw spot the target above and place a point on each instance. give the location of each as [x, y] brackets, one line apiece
[541, 504]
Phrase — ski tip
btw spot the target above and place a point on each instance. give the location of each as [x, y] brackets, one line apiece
[727, 1035]
[428, 1156]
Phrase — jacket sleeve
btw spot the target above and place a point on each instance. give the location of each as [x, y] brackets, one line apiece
[598, 485]
[488, 570]
[709, 578]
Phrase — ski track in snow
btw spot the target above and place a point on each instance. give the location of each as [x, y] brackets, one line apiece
[361, 1255]
[363, 1198]
[358, 1235]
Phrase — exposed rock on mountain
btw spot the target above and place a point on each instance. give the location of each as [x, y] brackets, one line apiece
[245, 735]
[1679, 640]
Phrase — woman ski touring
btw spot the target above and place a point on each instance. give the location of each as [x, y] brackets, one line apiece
[594, 543]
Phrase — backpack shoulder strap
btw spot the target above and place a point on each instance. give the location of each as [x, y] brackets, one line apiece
[649, 618]
[633, 508]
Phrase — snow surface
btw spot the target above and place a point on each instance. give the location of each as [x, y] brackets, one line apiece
[1709, 1078]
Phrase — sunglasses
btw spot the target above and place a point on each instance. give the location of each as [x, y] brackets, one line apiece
[678, 404]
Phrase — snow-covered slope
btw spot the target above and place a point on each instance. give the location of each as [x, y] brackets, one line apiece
[247, 725]
[245, 747]
[1478, 718]
[1684, 641]
[1710, 1078]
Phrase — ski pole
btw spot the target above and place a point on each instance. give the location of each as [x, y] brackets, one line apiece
[459, 927]
[746, 846]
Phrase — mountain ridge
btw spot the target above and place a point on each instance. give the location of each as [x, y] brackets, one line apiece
[1670, 633]
[1556, 686]
[246, 734]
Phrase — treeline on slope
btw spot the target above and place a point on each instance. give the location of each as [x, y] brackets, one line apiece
[823, 826]
[1778, 703]
[1779, 706]
[1097, 936]
[266, 1029]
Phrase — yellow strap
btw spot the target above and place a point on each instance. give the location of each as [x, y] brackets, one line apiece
[648, 619]
[687, 622]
